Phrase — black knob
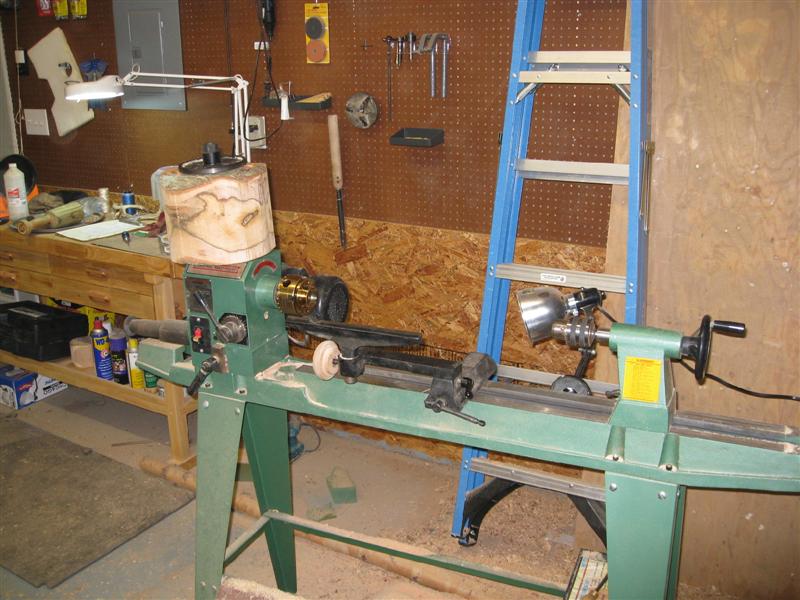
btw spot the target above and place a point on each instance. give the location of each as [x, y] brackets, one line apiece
[729, 328]
[211, 154]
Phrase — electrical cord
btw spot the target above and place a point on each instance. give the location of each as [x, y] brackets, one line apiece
[18, 116]
[316, 432]
[740, 389]
[607, 314]
[266, 40]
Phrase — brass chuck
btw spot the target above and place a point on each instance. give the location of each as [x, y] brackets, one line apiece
[296, 295]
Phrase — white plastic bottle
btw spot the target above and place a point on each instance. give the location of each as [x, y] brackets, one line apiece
[14, 181]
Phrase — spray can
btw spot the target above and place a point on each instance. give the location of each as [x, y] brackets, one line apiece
[127, 199]
[102, 351]
[135, 374]
[119, 366]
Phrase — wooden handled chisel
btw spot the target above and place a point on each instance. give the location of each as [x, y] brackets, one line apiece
[336, 172]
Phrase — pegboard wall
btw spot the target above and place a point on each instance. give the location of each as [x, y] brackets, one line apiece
[450, 186]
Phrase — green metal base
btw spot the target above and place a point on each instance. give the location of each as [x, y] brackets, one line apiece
[644, 519]
[222, 423]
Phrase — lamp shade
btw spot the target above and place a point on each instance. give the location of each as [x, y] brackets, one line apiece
[109, 86]
[540, 307]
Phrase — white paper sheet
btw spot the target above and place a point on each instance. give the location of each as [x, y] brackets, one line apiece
[99, 230]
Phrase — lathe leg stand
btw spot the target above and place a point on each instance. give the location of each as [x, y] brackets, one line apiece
[644, 519]
[222, 423]
[266, 438]
[219, 431]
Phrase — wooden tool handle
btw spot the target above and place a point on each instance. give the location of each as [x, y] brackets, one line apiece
[26, 227]
[61, 216]
[336, 152]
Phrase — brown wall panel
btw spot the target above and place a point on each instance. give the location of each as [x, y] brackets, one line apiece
[450, 186]
[724, 241]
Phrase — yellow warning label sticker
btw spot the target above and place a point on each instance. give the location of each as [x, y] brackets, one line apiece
[642, 379]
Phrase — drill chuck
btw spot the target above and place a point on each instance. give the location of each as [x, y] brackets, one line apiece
[296, 295]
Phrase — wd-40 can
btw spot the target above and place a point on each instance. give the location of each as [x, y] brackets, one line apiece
[102, 351]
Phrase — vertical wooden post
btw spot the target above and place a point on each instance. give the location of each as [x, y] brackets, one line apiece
[176, 408]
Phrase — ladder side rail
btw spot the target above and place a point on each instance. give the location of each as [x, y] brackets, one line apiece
[636, 256]
[503, 236]
[508, 190]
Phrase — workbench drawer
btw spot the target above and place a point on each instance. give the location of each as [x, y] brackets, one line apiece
[26, 281]
[105, 298]
[96, 273]
[23, 259]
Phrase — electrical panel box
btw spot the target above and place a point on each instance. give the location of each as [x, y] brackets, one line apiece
[148, 34]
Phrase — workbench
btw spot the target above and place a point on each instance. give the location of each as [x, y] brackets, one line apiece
[139, 281]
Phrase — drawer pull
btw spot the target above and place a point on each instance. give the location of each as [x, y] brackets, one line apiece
[98, 273]
[5, 276]
[6, 256]
[96, 297]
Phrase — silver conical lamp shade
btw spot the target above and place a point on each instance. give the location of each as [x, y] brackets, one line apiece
[540, 308]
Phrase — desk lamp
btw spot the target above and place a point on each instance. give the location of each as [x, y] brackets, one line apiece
[112, 86]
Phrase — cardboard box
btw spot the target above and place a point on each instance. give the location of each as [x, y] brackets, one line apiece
[20, 388]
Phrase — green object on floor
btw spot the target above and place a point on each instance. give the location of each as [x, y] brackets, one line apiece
[342, 488]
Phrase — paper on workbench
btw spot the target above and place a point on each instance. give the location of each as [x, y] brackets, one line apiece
[95, 231]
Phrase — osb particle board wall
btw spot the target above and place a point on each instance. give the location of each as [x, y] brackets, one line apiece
[724, 241]
[450, 186]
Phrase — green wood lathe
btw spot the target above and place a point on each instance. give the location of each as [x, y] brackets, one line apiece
[234, 351]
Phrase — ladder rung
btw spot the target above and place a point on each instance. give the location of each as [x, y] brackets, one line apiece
[614, 284]
[511, 472]
[581, 172]
[573, 57]
[607, 76]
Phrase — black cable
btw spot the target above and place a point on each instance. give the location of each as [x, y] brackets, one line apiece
[229, 58]
[606, 314]
[268, 66]
[228, 50]
[316, 432]
[740, 389]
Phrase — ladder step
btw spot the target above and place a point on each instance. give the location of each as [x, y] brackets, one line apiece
[557, 483]
[614, 284]
[591, 57]
[564, 76]
[611, 67]
[581, 172]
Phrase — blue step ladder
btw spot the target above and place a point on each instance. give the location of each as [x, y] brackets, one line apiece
[628, 73]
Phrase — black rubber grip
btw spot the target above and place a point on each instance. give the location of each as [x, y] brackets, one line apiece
[729, 328]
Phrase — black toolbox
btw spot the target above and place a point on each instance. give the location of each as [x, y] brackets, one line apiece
[39, 331]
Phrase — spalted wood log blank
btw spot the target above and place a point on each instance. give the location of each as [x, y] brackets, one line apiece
[218, 219]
